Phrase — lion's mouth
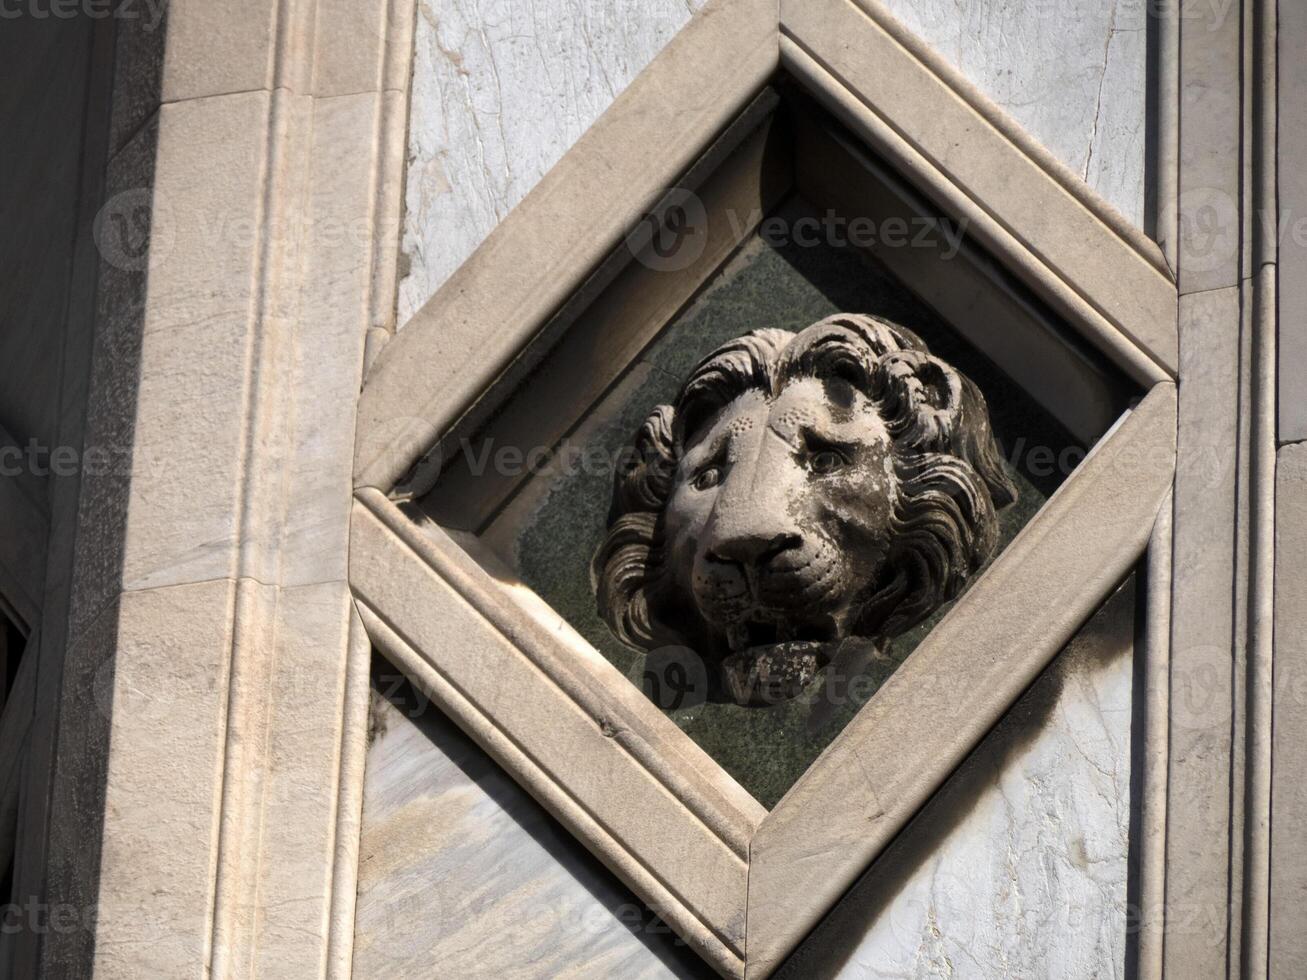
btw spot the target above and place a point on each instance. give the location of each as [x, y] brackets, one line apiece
[773, 661]
[753, 634]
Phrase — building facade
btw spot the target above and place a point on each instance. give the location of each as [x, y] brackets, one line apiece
[328, 328]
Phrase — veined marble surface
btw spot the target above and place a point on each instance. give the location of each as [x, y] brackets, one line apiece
[1018, 867]
[462, 874]
[1073, 74]
[501, 89]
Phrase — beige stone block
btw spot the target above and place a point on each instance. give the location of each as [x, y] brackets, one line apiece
[221, 47]
[362, 46]
[162, 659]
[1203, 640]
[214, 364]
[1211, 129]
[1288, 943]
[326, 48]
[332, 230]
[172, 355]
[203, 718]
[301, 781]
[1292, 255]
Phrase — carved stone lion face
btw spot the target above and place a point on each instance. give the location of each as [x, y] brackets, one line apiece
[804, 489]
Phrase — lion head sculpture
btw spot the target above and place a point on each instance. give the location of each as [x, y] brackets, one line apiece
[803, 489]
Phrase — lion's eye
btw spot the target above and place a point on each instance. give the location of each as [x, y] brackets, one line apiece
[707, 479]
[825, 461]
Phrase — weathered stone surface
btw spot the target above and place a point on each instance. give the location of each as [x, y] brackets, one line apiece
[1072, 74]
[1018, 868]
[1288, 953]
[463, 874]
[1204, 633]
[500, 91]
[553, 527]
[1292, 177]
[789, 498]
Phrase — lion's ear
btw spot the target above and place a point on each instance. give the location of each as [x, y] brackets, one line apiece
[931, 407]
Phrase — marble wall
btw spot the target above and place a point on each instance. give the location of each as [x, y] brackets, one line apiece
[501, 89]
[462, 874]
[1073, 74]
[1020, 867]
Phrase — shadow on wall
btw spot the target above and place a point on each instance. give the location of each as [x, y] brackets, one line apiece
[109, 134]
[951, 874]
[459, 865]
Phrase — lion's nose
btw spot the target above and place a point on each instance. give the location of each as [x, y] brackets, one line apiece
[753, 549]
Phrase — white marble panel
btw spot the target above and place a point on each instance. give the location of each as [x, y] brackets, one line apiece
[502, 89]
[1073, 74]
[462, 874]
[1019, 866]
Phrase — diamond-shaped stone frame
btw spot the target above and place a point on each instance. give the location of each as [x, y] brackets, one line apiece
[741, 884]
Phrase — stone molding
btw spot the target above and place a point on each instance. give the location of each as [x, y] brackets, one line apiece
[1219, 752]
[1113, 286]
[212, 641]
[251, 578]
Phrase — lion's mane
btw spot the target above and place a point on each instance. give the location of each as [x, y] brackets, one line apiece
[951, 481]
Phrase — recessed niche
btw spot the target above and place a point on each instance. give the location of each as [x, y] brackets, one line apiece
[795, 221]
